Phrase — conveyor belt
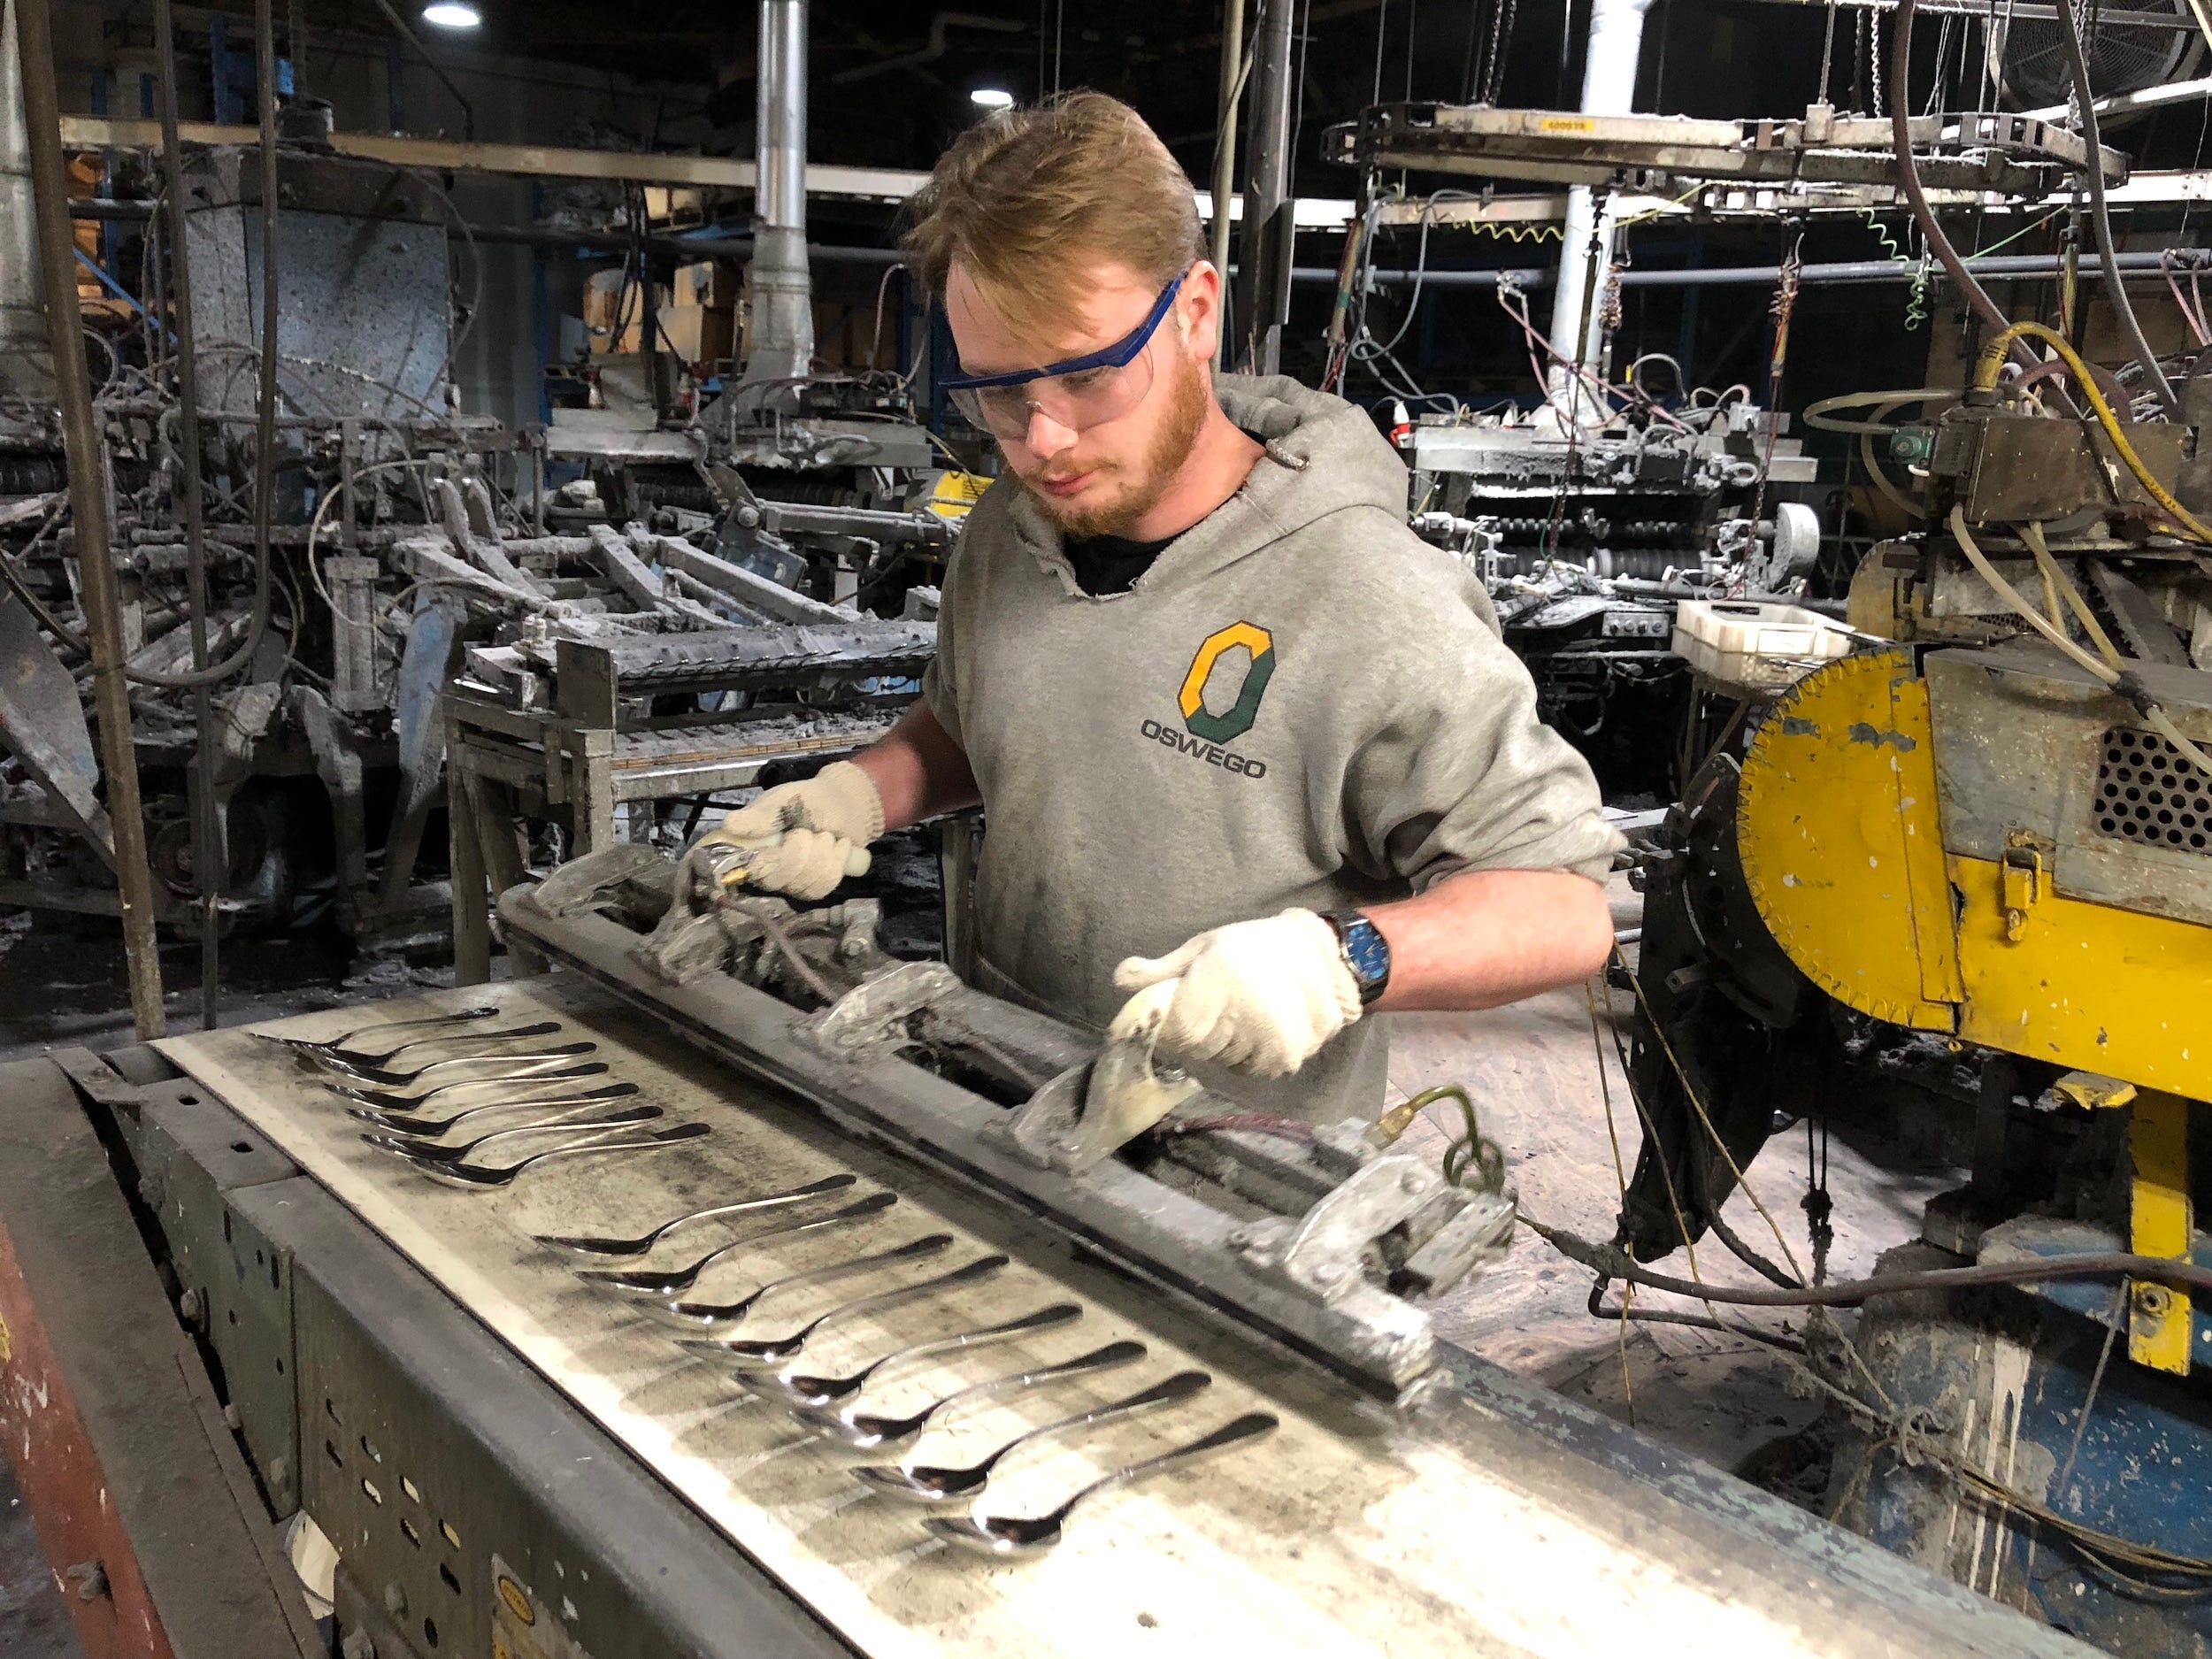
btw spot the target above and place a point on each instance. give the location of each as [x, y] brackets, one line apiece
[1471, 1527]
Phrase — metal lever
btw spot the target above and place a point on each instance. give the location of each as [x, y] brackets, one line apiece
[1090, 1111]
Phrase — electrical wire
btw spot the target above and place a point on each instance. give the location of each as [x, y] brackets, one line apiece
[1616, 1263]
[1986, 379]
[2101, 216]
[2121, 681]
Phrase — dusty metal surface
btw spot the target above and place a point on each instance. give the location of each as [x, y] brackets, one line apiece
[1352, 1531]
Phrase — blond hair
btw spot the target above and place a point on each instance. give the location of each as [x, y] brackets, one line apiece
[1022, 200]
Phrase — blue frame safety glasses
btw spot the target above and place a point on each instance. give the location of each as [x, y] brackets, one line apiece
[1076, 393]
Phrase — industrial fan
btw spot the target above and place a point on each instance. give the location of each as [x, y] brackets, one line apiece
[2027, 56]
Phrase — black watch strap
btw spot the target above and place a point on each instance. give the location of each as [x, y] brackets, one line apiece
[1366, 952]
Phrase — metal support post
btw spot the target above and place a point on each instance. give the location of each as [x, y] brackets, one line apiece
[1231, 101]
[1608, 88]
[89, 509]
[780, 342]
[1264, 249]
[209, 859]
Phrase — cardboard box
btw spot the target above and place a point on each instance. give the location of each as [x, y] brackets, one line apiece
[631, 316]
[696, 333]
[709, 283]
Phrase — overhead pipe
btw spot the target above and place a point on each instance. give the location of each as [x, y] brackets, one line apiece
[1585, 246]
[1231, 101]
[1264, 250]
[88, 511]
[26, 365]
[781, 315]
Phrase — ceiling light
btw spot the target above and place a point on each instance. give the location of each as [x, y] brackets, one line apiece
[992, 98]
[451, 15]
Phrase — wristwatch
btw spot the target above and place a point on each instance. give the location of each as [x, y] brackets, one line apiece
[1366, 952]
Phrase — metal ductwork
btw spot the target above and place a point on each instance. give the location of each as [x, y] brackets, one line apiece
[781, 291]
[27, 360]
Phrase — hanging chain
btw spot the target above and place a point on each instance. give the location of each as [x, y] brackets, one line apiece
[1827, 51]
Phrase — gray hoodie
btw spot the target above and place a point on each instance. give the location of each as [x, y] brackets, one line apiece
[1301, 702]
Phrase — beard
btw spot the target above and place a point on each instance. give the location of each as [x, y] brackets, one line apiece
[1118, 510]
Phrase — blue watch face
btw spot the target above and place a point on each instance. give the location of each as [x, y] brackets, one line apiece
[1367, 949]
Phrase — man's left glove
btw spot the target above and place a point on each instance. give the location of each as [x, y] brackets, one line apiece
[1261, 997]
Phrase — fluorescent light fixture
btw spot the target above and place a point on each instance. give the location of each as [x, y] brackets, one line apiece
[992, 98]
[451, 15]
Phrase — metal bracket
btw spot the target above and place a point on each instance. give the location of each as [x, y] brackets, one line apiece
[1090, 1111]
[869, 1015]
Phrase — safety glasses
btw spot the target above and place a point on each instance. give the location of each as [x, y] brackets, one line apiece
[1078, 393]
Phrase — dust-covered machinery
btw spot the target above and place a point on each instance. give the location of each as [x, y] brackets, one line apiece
[1968, 868]
[735, 1287]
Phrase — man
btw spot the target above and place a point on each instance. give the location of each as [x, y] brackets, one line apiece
[1241, 736]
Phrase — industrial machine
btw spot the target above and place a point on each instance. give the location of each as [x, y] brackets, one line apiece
[1965, 868]
[1585, 540]
[735, 1288]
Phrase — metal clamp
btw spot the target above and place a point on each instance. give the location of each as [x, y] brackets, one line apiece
[1090, 1111]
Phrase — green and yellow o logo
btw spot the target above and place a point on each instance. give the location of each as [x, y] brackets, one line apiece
[1222, 729]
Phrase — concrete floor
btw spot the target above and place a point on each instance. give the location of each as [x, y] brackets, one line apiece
[33, 1619]
[1532, 1069]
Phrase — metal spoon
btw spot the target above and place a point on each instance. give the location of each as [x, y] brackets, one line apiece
[1005, 1535]
[356, 1057]
[436, 1152]
[638, 1283]
[927, 1484]
[531, 1077]
[408, 1123]
[344, 1037]
[773, 1351]
[525, 1065]
[863, 1433]
[828, 1390]
[616, 1248]
[478, 1175]
[698, 1313]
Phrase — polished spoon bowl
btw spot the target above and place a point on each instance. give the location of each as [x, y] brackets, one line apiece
[637, 1283]
[406, 1122]
[616, 1249]
[693, 1313]
[820, 1391]
[765, 1352]
[928, 1484]
[432, 1151]
[478, 1176]
[861, 1431]
[328, 1044]
[531, 1077]
[525, 1065]
[357, 1058]
[1012, 1535]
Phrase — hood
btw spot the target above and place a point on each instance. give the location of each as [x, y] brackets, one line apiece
[1323, 455]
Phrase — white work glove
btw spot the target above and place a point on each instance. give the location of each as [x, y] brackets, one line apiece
[1261, 997]
[804, 838]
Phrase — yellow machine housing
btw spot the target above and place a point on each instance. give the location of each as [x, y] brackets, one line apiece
[1987, 842]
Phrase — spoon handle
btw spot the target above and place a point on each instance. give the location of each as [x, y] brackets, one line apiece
[408, 1123]
[929, 1244]
[1183, 1386]
[1113, 1354]
[638, 1143]
[344, 1037]
[541, 1028]
[737, 1207]
[1254, 1426]
[873, 1204]
[876, 1302]
[1043, 1319]
[639, 1246]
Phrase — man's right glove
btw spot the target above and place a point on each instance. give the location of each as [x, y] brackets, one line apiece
[804, 838]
